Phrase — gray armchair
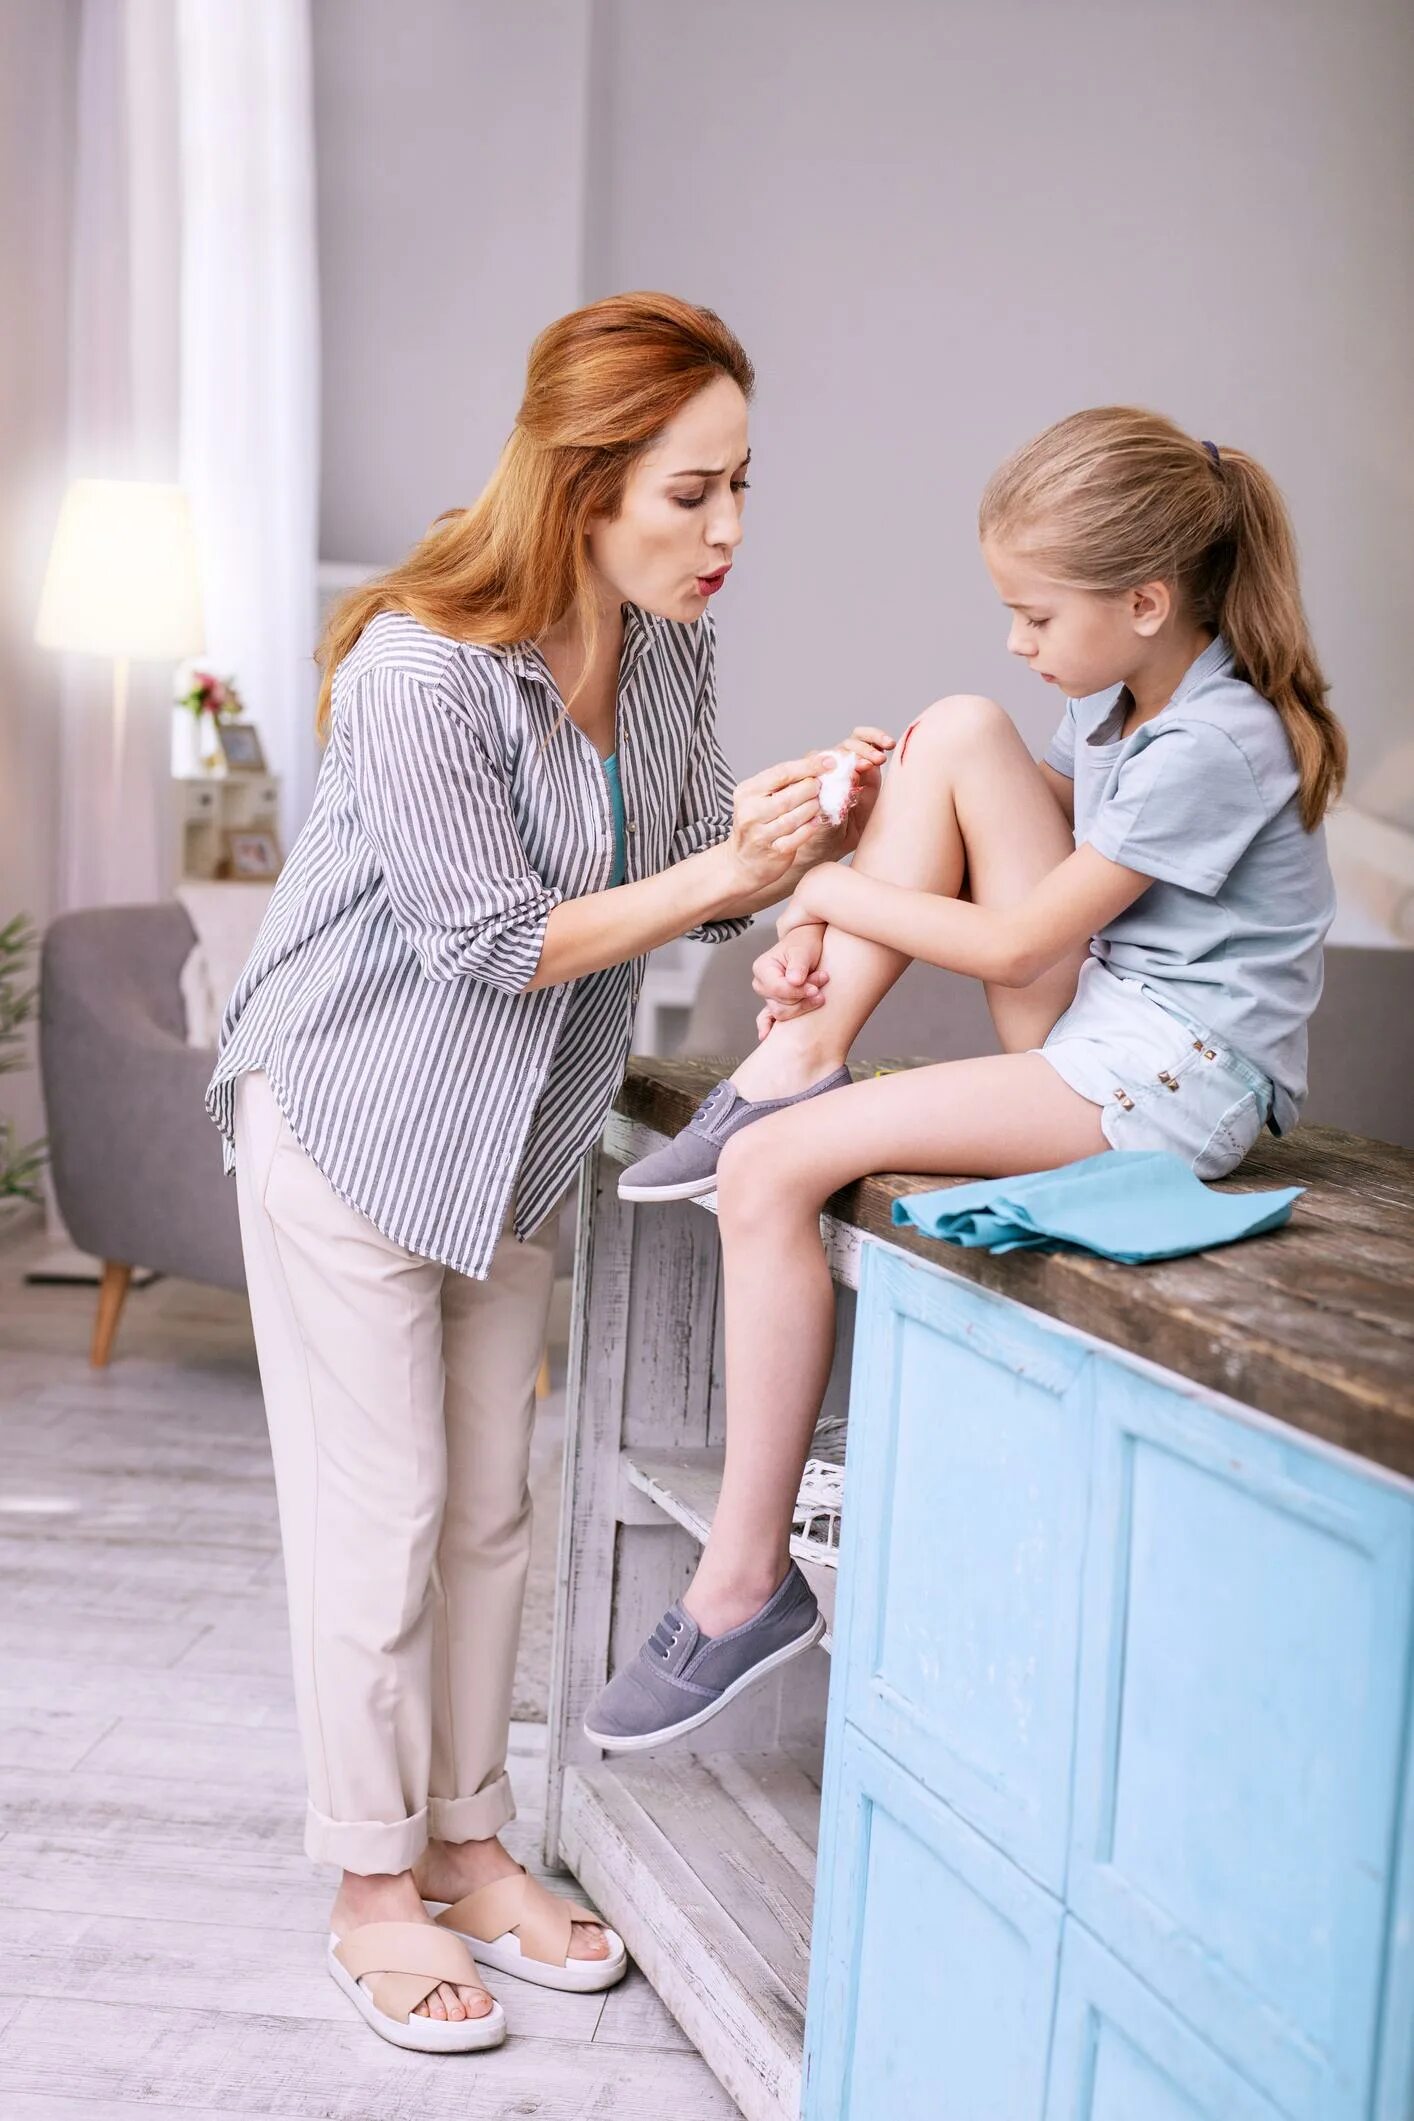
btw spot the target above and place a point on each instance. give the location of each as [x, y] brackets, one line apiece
[136, 1161]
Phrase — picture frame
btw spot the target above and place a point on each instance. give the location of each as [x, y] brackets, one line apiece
[241, 748]
[250, 854]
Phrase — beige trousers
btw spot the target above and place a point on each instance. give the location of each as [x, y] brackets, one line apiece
[400, 1397]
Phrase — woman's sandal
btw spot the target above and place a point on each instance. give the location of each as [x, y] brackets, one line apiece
[402, 1963]
[519, 1927]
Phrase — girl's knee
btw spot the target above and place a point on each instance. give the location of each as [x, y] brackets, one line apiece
[956, 725]
[753, 1178]
[737, 1172]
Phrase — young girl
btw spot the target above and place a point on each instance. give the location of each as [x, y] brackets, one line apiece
[1146, 907]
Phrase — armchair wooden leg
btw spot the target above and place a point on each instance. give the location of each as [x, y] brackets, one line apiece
[110, 1304]
[542, 1382]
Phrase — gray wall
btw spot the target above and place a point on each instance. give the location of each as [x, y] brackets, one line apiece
[450, 144]
[936, 227]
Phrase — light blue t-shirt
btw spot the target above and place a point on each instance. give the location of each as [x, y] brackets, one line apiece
[1204, 799]
[616, 811]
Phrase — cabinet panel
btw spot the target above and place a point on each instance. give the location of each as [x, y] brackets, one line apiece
[933, 1959]
[1119, 2055]
[964, 1533]
[1242, 1708]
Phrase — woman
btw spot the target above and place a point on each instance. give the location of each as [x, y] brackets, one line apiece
[522, 795]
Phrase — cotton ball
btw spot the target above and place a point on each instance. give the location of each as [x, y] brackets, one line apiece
[837, 786]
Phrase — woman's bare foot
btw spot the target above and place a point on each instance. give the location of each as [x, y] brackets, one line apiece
[450, 1869]
[394, 1897]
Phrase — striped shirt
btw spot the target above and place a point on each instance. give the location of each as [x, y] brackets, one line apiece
[385, 997]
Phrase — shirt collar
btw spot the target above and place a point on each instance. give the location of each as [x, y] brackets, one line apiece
[1215, 658]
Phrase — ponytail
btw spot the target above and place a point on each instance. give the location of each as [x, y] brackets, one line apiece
[1262, 619]
[1116, 496]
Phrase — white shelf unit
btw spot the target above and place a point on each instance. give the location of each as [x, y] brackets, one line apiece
[701, 1856]
[205, 806]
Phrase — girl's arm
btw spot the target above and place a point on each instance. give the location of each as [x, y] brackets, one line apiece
[1062, 787]
[1010, 945]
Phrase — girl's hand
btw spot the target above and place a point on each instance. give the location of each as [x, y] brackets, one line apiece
[789, 978]
[773, 815]
[831, 842]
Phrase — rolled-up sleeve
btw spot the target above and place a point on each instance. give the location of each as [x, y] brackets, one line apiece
[436, 811]
[705, 810]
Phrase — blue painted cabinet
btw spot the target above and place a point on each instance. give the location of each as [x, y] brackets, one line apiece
[1117, 1808]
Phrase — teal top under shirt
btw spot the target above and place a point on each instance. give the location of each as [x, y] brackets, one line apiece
[616, 807]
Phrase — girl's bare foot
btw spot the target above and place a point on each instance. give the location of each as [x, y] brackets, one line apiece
[450, 1869]
[394, 1897]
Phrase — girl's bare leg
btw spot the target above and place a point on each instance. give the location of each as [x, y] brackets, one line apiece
[963, 799]
[982, 1118]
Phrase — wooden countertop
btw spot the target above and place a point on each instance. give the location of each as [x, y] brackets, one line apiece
[1313, 1323]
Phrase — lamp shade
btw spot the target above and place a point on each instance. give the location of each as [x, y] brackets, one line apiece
[122, 576]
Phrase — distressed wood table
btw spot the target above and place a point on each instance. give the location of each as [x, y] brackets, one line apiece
[1119, 1777]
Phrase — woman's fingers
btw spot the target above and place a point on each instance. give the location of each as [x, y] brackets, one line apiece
[796, 836]
[772, 778]
[802, 818]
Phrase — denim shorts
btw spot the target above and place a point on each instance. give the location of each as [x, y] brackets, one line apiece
[1161, 1080]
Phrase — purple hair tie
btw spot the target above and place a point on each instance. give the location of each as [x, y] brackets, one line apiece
[1213, 452]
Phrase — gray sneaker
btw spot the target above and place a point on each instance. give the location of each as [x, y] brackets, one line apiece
[687, 1165]
[681, 1677]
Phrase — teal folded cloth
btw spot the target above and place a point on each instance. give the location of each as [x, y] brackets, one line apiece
[1128, 1204]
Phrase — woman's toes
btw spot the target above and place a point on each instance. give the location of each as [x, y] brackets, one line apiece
[588, 1942]
[451, 2005]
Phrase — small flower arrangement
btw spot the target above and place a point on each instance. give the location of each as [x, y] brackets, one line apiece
[204, 692]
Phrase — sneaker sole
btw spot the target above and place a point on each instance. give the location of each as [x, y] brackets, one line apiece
[807, 1641]
[681, 1189]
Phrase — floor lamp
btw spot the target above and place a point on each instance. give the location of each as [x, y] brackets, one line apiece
[121, 582]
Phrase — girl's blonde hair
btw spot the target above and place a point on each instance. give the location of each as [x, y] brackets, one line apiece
[601, 385]
[1115, 496]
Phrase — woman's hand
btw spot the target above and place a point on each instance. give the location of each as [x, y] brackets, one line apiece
[830, 842]
[789, 978]
[773, 815]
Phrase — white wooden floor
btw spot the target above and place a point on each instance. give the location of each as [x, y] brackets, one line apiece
[161, 1932]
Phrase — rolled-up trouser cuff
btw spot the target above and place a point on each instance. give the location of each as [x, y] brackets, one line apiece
[367, 1846]
[472, 1818]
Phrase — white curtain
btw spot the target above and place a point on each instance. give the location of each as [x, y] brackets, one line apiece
[122, 422]
[250, 359]
[194, 347]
